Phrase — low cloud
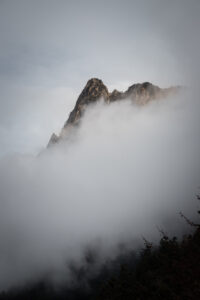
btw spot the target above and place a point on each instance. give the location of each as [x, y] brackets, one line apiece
[127, 170]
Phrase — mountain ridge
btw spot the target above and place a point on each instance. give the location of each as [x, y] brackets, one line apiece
[139, 93]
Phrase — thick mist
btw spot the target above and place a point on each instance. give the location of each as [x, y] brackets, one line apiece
[127, 170]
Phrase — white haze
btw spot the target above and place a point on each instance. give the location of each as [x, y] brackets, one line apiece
[127, 170]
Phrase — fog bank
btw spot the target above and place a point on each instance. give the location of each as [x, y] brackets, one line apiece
[127, 170]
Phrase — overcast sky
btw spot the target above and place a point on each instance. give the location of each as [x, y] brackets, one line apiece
[49, 49]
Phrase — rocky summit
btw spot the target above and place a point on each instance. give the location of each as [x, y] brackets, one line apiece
[140, 94]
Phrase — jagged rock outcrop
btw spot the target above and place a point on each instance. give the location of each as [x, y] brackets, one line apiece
[94, 90]
[140, 94]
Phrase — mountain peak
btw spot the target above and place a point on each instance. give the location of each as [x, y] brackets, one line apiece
[94, 90]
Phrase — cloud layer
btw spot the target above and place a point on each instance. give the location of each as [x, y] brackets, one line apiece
[127, 170]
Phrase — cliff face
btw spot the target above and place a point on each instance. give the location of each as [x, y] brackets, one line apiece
[140, 94]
